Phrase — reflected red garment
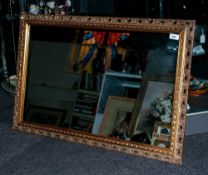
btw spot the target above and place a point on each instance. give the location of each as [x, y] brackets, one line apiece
[113, 37]
[99, 37]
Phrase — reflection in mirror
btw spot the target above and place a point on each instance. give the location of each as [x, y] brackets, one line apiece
[114, 83]
[51, 88]
[153, 116]
[66, 68]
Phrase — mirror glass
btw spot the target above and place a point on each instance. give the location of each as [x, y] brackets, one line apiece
[90, 81]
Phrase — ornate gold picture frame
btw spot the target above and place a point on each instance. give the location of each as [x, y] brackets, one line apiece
[184, 29]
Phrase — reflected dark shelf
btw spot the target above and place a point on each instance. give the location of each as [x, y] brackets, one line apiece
[198, 104]
[84, 116]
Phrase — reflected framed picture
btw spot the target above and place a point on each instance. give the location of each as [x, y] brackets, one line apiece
[117, 117]
[45, 115]
[153, 104]
[162, 131]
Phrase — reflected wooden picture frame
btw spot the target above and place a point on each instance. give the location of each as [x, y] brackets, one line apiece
[183, 28]
[117, 110]
[161, 134]
[152, 89]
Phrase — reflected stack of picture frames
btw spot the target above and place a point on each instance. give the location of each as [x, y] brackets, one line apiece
[84, 110]
[161, 134]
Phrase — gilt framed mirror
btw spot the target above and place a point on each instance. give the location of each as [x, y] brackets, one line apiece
[110, 82]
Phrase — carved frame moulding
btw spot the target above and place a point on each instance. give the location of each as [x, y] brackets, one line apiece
[185, 30]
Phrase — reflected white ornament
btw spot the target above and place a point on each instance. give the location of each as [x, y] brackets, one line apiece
[68, 3]
[34, 9]
[51, 4]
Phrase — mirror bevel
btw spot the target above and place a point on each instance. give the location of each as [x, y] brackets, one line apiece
[185, 28]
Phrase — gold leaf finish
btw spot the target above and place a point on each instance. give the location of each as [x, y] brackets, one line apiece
[185, 28]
